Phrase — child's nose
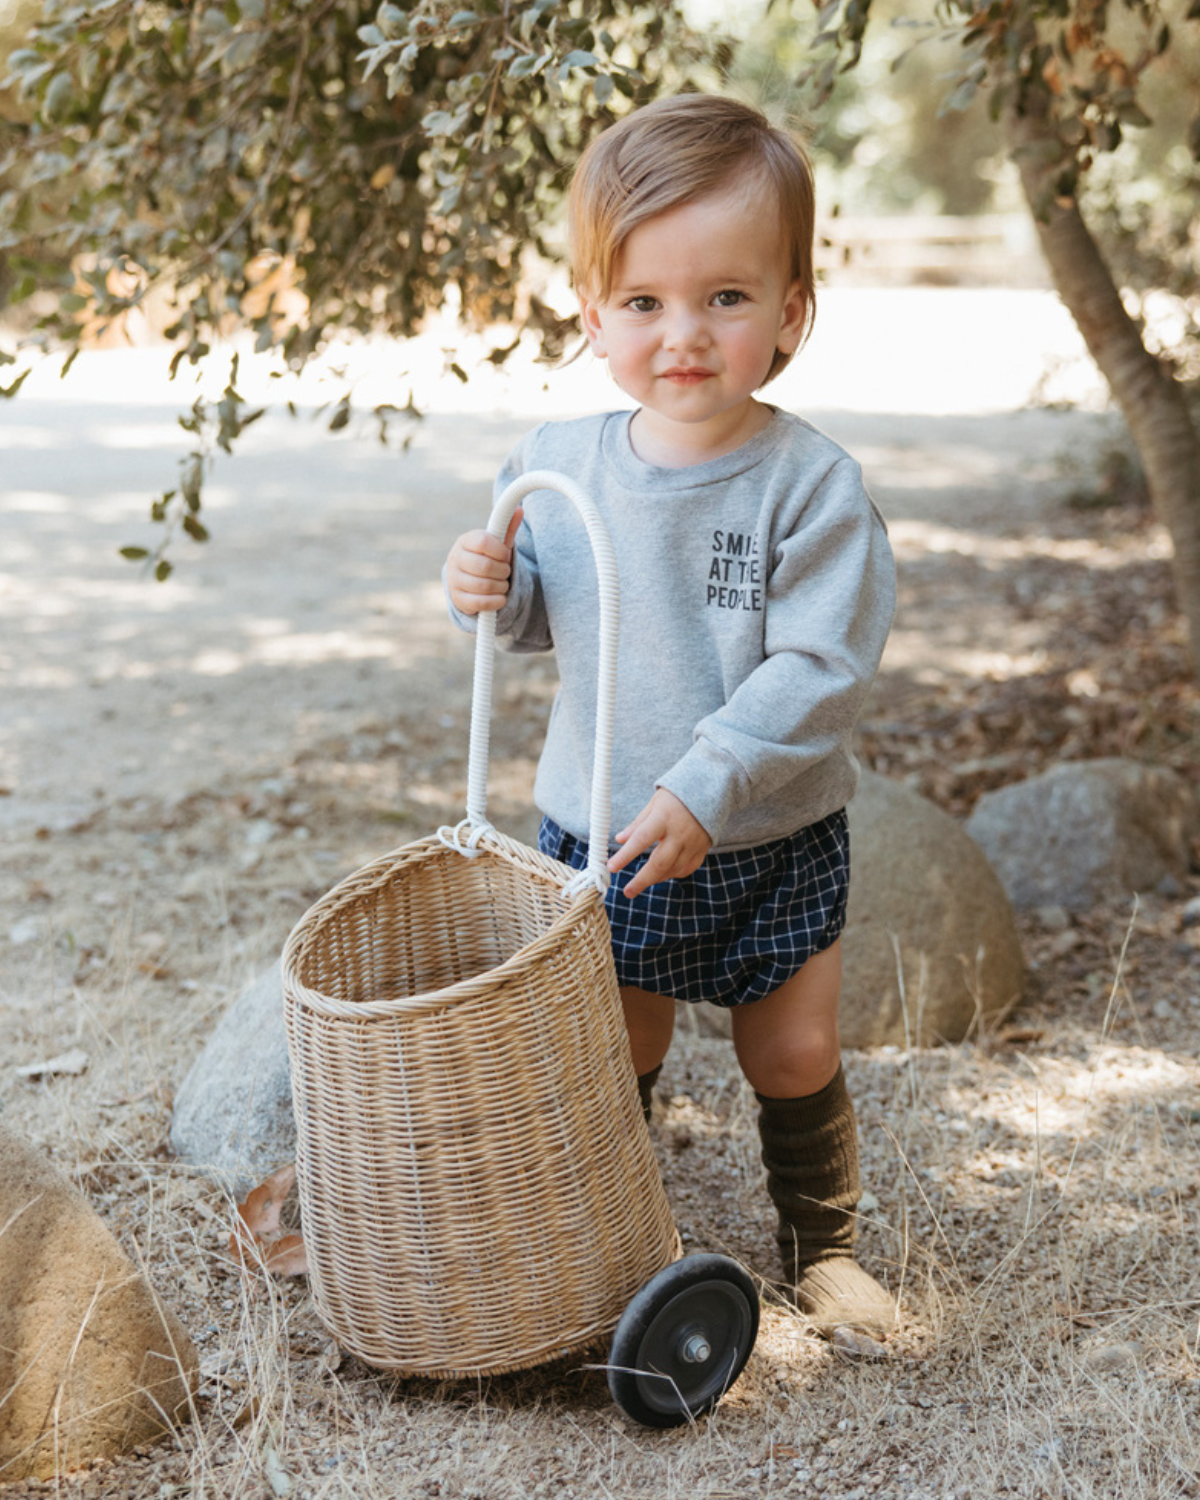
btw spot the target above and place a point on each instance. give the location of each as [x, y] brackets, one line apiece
[685, 329]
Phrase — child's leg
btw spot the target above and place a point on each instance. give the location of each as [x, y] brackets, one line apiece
[787, 1042]
[787, 1045]
[650, 1022]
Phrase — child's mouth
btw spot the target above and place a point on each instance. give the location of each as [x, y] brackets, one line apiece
[690, 375]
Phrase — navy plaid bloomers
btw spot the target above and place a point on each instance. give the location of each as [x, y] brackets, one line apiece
[735, 930]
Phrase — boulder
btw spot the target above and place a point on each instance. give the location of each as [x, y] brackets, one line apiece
[930, 946]
[233, 1112]
[91, 1362]
[1087, 832]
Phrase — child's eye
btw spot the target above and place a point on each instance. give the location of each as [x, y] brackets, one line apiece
[642, 304]
[729, 298]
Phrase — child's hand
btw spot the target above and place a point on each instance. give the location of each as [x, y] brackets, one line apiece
[681, 842]
[479, 568]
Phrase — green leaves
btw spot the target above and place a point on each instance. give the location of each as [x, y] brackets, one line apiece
[57, 99]
[444, 121]
[10, 390]
[27, 67]
[528, 64]
[191, 480]
[213, 425]
[962, 96]
[235, 120]
[308, 171]
[393, 22]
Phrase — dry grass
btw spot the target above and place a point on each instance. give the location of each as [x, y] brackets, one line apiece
[1034, 1200]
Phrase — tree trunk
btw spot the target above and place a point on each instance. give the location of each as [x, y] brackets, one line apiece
[1151, 399]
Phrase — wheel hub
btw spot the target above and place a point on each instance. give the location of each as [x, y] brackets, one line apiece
[695, 1349]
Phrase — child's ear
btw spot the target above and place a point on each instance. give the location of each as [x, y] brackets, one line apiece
[589, 316]
[792, 319]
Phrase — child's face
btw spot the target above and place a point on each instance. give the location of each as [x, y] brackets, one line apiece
[700, 302]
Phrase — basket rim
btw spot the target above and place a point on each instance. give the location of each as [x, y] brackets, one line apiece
[578, 908]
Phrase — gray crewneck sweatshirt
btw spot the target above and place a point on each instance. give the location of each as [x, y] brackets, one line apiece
[757, 590]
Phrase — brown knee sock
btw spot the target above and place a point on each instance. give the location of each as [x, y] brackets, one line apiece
[645, 1083]
[810, 1151]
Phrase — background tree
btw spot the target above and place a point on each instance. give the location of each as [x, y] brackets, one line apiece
[877, 145]
[1066, 81]
[306, 168]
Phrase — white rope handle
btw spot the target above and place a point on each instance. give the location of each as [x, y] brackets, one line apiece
[465, 838]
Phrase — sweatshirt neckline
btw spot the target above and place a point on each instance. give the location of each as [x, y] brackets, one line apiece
[636, 473]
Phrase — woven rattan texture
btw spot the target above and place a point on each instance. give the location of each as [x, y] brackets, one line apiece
[477, 1186]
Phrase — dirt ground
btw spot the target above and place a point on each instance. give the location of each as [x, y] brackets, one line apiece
[184, 769]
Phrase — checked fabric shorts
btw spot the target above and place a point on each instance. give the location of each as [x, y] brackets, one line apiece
[739, 927]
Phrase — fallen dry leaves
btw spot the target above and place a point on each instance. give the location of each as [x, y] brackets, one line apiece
[258, 1242]
[962, 735]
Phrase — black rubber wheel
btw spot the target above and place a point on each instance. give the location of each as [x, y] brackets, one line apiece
[683, 1340]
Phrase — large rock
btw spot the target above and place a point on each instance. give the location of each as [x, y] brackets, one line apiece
[91, 1362]
[930, 945]
[1087, 831]
[233, 1112]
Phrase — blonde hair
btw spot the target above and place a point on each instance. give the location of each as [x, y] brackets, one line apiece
[672, 152]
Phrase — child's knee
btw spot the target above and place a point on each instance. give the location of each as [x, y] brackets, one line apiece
[799, 1062]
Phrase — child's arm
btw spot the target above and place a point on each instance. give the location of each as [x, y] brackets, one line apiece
[479, 569]
[680, 843]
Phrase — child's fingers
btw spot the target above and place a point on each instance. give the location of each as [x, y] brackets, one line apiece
[667, 862]
[487, 552]
[678, 841]
[663, 863]
[478, 571]
[510, 535]
[469, 580]
[471, 595]
[476, 604]
[486, 572]
[634, 840]
[643, 880]
[493, 546]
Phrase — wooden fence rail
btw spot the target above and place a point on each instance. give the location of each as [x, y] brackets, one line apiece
[930, 250]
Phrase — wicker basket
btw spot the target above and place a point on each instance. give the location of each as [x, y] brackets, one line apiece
[478, 1189]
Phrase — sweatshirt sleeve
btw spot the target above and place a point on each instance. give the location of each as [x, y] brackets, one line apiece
[522, 624]
[830, 597]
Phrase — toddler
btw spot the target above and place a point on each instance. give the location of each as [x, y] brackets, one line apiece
[757, 591]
